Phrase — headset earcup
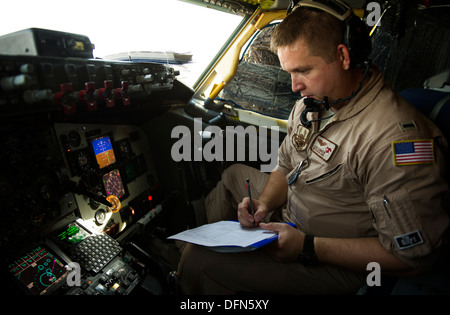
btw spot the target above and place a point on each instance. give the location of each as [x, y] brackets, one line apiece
[357, 39]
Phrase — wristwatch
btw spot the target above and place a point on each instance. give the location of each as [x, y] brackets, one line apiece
[308, 256]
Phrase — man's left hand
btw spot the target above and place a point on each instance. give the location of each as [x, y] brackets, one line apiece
[289, 244]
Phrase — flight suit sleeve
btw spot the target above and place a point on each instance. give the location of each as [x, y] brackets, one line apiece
[406, 201]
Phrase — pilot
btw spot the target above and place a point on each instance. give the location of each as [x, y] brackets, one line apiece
[360, 175]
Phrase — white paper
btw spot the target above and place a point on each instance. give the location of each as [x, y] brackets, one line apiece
[224, 233]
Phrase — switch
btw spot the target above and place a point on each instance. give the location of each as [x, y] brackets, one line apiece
[120, 290]
[86, 96]
[106, 93]
[131, 276]
[15, 82]
[122, 94]
[103, 279]
[102, 289]
[35, 96]
[65, 99]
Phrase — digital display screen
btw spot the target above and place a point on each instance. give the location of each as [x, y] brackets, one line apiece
[71, 236]
[103, 151]
[113, 184]
[39, 270]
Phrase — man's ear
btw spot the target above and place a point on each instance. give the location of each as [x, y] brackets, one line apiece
[344, 56]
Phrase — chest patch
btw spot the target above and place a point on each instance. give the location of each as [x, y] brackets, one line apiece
[300, 138]
[324, 148]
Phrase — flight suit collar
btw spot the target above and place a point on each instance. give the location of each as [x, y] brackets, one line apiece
[372, 87]
[374, 83]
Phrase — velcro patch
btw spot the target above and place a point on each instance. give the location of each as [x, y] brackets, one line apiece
[300, 138]
[407, 126]
[324, 148]
[412, 152]
[408, 240]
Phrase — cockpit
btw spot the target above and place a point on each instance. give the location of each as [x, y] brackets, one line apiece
[117, 121]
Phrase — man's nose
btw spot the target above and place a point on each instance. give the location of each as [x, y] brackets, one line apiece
[297, 84]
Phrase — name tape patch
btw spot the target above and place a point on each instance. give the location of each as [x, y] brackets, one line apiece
[324, 148]
[408, 240]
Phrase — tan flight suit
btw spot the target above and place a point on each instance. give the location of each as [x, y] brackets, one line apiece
[352, 184]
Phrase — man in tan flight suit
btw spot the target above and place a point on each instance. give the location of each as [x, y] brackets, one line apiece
[363, 182]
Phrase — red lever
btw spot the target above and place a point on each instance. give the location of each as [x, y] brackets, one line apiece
[87, 96]
[65, 98]
[106, 93]
[122, 93]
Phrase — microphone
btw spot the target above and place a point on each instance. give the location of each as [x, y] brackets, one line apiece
[312, 105]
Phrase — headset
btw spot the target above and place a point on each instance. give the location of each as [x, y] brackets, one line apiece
[355, 37]
[356, 34]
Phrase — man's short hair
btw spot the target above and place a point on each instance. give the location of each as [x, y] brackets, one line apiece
[321, 31]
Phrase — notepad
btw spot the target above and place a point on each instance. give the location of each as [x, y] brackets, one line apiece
[227, 236]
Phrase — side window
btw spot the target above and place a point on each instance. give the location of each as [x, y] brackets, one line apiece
[260, 84]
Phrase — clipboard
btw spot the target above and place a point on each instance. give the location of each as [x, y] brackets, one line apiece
[227, 236]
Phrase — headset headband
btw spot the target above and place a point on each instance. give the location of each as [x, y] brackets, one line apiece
[337, 8]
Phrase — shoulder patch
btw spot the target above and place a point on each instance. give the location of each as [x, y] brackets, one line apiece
[413, 152]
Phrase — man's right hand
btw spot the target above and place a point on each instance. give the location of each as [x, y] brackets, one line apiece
[244, 216]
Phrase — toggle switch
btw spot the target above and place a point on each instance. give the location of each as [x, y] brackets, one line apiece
[106, 93]
[65, 99]
[86, 96]
[122, 93]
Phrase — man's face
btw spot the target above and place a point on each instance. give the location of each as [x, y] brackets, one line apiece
[311, 75]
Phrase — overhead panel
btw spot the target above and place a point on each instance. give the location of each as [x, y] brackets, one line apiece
[240, 7]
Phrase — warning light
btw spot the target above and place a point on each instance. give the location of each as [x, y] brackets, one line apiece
[150, 198]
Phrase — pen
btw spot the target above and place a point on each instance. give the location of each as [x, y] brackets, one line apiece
[252, 212]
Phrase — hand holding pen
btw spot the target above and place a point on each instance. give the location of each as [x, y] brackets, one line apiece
[250, 211]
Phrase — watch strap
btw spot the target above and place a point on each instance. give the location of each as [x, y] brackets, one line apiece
[308, 256]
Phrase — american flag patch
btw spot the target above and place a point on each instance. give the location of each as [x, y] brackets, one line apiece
[413, 152]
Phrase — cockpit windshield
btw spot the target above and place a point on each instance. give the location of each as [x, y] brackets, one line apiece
[171, 31]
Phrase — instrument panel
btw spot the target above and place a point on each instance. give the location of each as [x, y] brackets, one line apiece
[75, 163]
[112, 172]
[75, 86]
[102, 176]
